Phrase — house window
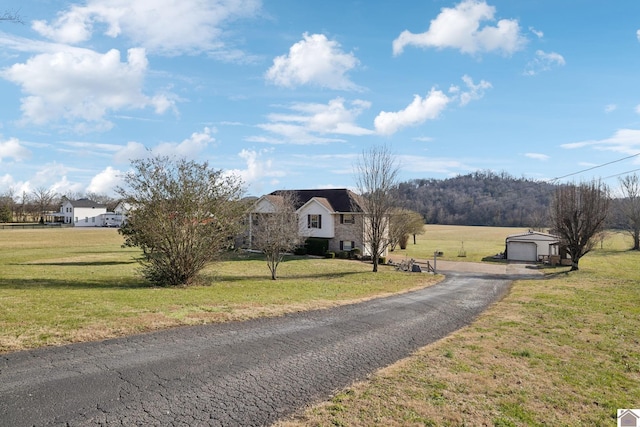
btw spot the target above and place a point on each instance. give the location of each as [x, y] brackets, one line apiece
[347, 219]
[314, 221]
[86, 219]
[93, 219]
[347, 245]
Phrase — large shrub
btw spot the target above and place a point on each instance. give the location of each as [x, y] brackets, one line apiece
[317, 246]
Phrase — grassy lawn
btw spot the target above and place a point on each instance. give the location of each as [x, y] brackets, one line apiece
[475, 243]
[564, 350]
[560, 351]
[67, 285]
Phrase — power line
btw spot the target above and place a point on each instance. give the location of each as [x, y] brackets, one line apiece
[622, 173]
[596, 167]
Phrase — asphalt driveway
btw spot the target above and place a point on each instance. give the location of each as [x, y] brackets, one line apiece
[240, 373]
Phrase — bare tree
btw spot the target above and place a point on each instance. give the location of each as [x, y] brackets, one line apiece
[43, 199]
[630, 207]
[7, 206]
[376, 180]
[184, 215]
[276, 231]
[22, 207]
[578, 213]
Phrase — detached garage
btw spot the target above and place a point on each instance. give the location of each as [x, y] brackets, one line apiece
[532, 246]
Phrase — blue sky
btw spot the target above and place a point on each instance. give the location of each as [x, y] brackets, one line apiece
[288, 94]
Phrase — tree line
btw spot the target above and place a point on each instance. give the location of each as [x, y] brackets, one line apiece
[35, 205]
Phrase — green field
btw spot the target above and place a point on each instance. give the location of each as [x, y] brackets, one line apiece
[562, 351]
[66, 285]
[457, 243]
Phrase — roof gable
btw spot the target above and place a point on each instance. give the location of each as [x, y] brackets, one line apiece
[533, 235]
[319, 201]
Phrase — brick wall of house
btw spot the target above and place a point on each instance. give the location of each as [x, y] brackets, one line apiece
[346, 232]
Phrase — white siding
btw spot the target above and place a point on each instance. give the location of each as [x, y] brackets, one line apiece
[89, 217]
[529, 246]
[327, 229]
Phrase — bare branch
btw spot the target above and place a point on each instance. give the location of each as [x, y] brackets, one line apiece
[376, 179]
[276, 230]
[12, 16]
[630, 207]
[578, 213]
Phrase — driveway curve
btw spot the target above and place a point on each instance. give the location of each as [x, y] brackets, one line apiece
[242, 373]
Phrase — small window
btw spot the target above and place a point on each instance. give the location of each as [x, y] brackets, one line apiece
[347, 218]
[346, 245]
[314, 221]
[86, 219]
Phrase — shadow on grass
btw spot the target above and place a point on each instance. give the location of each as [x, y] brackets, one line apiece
[266, 276]
[31, 284]
[80, 263]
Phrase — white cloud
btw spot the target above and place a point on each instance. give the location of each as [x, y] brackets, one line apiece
[537, 156]
[80, 85]
[12, 148]
[538, 33]
[133, 150]
[611, 108]
[188, 148]
[429, 108]
[422, 164]
[638, 35]
[419, 111]
[473, 92]
[106, 181]
[308, 123]
[544, 61]
[64, 186]
[315, 60]
[258, 170]
[54, 177]
[423, 139]
[460, 28]
[626, 141]
[161, 26]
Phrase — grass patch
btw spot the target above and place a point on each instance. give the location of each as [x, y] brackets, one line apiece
[476, 243]
[67, 285]
[564, 350]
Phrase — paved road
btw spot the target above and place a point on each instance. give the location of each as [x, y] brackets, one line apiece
[244, 373]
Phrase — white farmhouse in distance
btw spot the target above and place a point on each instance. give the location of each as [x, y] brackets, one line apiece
[84, 213]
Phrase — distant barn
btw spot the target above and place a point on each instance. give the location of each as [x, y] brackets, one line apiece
[532, 246]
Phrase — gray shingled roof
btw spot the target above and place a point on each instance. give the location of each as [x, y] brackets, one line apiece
[86, 203]
[340, 199]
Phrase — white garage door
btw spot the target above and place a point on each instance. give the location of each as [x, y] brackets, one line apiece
[522, 251]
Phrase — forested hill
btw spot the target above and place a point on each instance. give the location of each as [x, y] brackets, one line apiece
[479, 198]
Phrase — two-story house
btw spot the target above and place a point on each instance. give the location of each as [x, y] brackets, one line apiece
[334, 214]
[82, 213]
